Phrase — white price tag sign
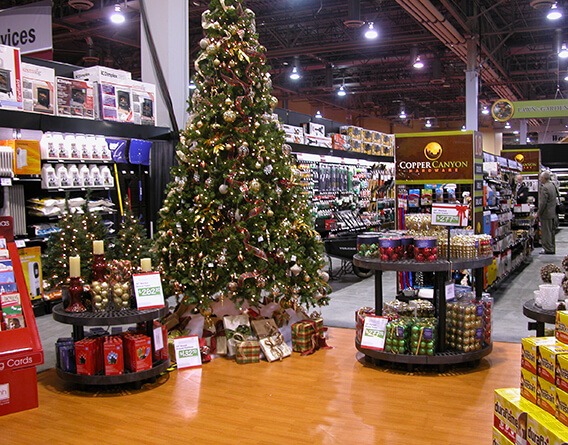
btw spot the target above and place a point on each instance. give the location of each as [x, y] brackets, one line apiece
[6, 182]
[20, 243]
[158, 339]
[187, 351]
[374, 332]
[450, 214]
[450, 291]
[148, 290]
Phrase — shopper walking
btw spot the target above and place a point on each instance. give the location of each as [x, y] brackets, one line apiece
[547, 198]
[521, 190]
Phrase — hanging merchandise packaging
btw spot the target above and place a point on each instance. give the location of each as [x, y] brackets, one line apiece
[139, 151]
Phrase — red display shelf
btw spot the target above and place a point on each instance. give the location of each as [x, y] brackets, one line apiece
[20, 349]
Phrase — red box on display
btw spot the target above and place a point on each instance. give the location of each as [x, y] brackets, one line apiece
[20, 349]
[137, 352]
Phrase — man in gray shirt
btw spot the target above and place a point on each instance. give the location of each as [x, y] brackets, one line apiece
[547, 199]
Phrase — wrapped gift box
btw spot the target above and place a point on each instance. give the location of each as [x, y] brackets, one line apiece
[265, 327]
[246, 351]
[308, 336]
[274, 347]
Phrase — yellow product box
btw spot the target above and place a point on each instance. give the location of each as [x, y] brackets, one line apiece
[354, 132]
[510, 412]
[377, 137]
[562, 406]
[546, 395]
[356, 145]
[544, 429]
[500, 439]
[368, 135]
[27, 158]
[562, 372]
[529, 351]
[561, 329]
[368, 147]
[528, 385]
[30, 258]
[546, 361]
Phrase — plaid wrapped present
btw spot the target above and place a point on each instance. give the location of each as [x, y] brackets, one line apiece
[360, 315]
[264, 327]
[247, 351]
[308, 336]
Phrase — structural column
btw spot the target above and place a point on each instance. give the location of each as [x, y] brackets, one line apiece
[471, 87]
[169, 26]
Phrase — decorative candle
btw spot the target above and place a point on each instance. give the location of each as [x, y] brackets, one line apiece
[146, 264]
[98, 247]
[74, 266]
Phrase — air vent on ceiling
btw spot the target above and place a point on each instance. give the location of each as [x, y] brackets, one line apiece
[353, 23]
[81, 5]
[542, 4]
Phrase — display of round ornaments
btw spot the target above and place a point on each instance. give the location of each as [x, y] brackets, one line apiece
[100, 295]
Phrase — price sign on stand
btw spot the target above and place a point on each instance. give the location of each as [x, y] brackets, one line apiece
[450, 214]
[374, 332]
[187, 351]
[148, 290]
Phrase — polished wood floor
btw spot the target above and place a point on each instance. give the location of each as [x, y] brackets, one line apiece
[331, 397]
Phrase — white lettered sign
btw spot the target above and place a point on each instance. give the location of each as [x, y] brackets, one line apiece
[450, 214]
[187, 351]
[148, 290]
[374, 332]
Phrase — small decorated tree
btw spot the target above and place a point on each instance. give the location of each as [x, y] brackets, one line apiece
[235, 223]
[131, 242]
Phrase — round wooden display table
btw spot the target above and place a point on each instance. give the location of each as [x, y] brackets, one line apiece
[111, 318]
[540, 315]
[441, 269]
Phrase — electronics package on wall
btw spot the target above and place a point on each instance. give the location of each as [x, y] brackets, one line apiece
[75, 98]
[38, 85]
[10, 78]
[143, 103]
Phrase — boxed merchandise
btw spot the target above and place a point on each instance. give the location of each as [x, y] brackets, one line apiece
[561, 328]
[137, 352]
[356, 145]
[368, 135]
[10, 78]
[528, 385]
[88, 356]
[38, 88]
[546, 395]
[65, 355]
[530, 351]
[317, 141]
[11, 308]
[26, 159]
[113, 355]
[143, 103]
[562, 372]
[544, 429]
[293, 134]
[340, 142]
[354, 132]
[30, 258]
[314, 129]
[102, 74]
[510, 413]
[75, 98]
[500, 439]
[562, 406]
[236, 324]
[546, 361]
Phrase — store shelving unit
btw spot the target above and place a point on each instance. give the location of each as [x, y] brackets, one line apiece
[111, 318]
[441, 268]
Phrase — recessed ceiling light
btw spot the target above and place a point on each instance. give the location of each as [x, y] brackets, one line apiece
[371, 32]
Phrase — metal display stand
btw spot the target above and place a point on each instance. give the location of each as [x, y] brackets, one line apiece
[111, 318]
[440, 269]
[540, 315]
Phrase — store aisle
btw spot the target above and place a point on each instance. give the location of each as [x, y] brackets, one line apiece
[509, 323]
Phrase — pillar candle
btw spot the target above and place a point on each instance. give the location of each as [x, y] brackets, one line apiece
[98, 247]
[146, 264]
[74, 266]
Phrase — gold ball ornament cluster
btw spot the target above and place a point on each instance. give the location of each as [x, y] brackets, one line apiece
[100, 295]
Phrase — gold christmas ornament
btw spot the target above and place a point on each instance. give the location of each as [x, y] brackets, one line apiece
[229, 116]
[269, 213]
[240, 258]
[232, 286]
[255, 185]
[228, 101]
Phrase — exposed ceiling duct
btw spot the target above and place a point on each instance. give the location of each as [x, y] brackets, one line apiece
[354, 15]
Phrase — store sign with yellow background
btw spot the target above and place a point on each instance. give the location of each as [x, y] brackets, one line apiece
[434, 158]
[529, 158]
[503, 109]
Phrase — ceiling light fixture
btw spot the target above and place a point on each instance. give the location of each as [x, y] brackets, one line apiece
[402, 114]
[371, 32]
[563, 54]
[418, 64]
[428, 124]
[192, 85]
[295, 74]
[463, 128]
[485, 110]
[318, 115]
[117, 16]
[341, 92]
[554, 13]
[508, 126]
[566, 78]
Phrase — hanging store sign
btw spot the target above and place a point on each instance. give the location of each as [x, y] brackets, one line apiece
[529, 158]
[27, 27]
[503, 109]
[435, 158]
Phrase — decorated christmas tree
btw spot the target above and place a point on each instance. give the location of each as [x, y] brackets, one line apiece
[78, 231]
[235, 223]
[131, 242]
